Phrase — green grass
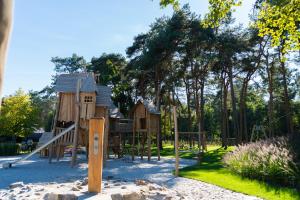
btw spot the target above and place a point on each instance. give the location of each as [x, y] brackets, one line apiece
[212, 171]
[168, 151]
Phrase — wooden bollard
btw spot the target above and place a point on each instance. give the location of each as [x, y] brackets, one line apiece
[96, 137]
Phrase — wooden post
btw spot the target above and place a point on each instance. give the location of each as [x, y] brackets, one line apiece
[50, 152]
[148, 122]
[77, 119]
[106, 132]
[96, 137]
[199, 138]
[58, 150]
[176, 142]
[157, 141]
[133, 136]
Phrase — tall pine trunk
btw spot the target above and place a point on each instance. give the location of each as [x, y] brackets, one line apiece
[157, 99]
[188, 97]
[223, 109]
[234, 109]
[286, 99]
[270, 76]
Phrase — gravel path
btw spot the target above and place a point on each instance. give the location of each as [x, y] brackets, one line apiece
[159, 172]
[120, 175]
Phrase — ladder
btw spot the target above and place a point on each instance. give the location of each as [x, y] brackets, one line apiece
[9, 164]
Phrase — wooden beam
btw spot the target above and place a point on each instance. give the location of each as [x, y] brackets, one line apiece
[106, 132]
[133, 136]
[54, 126]
[148, 123]
[176, 142]
[199, 137]
[77, 121]
[157, 140]
[96, 140]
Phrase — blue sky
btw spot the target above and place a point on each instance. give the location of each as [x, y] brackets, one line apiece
[48, 28]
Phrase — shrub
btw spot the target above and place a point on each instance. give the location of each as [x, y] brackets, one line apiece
[270, 160]
[9, 149]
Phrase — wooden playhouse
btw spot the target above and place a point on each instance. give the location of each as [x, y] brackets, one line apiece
[80, 98]
[146, 127]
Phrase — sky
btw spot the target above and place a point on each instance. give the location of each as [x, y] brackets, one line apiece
[49, 28]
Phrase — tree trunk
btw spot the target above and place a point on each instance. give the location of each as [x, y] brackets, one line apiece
[223, 108]
[234, 110]
[225, 114]
[201, 119]
[157, 99]
[188, 97]
[287, 105]
[270, 74]
[242, 109]
[197, 105]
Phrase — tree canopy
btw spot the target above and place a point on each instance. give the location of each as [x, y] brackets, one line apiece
[18, 115]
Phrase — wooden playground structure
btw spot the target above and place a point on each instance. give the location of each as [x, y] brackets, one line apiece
[79, 99]
[146, 121]
[85, 116]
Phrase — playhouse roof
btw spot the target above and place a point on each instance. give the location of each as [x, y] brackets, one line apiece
[151, 108]
[68, 82]
[103, 97]
[114, 112]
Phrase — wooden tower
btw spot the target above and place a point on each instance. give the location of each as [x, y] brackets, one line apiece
[146, 122]
[79, 100]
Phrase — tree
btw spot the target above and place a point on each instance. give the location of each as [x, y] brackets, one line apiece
[71, 64]
[19, 117]
[280, 20]
[111, 70]
[68, 65]
[218, 10]
[45, 107]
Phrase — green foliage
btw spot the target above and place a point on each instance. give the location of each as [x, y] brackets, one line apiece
[212, 170]
[174, 3]
[280, 19]
[269, 160]
[71, 64]
[45, 105]
[9, 149]
[219, 10]
[18, 115]
[111, 68]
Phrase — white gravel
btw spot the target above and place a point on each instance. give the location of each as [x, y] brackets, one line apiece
[119, 176]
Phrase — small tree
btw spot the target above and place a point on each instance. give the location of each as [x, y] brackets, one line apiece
[18, 115]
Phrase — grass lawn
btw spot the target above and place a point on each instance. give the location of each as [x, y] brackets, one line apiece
[168, 151]
[212, 171]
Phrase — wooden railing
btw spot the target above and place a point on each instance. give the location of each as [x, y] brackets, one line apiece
[66, 139]
[123, 126]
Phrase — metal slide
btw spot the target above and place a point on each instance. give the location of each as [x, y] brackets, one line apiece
[9, 164]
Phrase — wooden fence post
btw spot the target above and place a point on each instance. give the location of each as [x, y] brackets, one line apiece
[176, 142]
[96, 137]
[133, 138]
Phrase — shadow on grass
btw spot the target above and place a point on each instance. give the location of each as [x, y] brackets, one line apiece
[168, 151]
